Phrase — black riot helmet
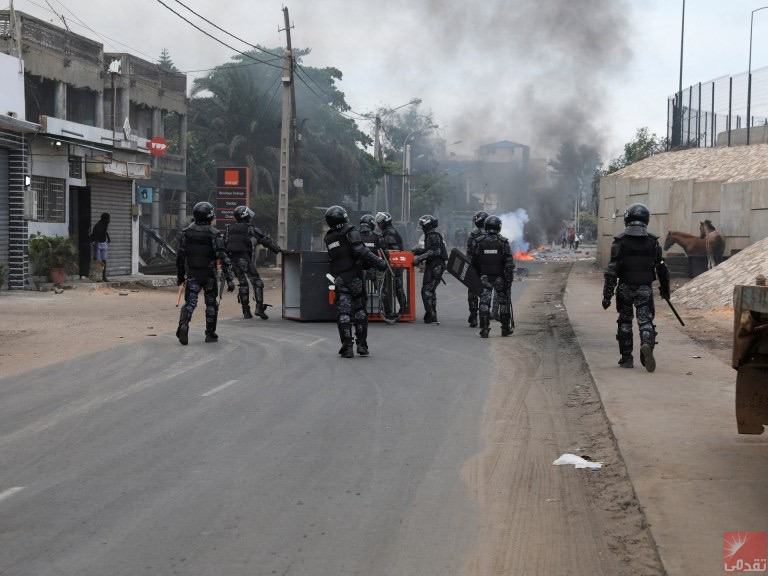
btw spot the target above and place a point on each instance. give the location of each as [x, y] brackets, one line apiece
[368, 220]
[479, 218]
[383, 219]
[637, 214]
[243, 214]
[203, 213]
[336, 217]
[427, 223]
[492, 224]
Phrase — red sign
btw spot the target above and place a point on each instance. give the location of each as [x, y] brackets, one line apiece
[158, 146]
[745, 552]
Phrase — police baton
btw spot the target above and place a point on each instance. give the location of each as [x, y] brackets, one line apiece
[674, 311]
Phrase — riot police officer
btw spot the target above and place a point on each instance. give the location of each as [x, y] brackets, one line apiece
[239, 242]
[434, 255]
[348, 255]
[492, 259]
[636, 261]
[371, 240]
[391, 240]
[200, 246]
[478, 220]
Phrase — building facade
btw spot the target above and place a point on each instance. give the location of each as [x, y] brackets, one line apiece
[74, 143]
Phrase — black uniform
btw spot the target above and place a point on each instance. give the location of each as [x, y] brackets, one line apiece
[493, 262]
[239, 242]
[472, 298]
[434, 255]
[373, 242]
[636, 261]
[348, 255]
[200, 246]
[391, 240]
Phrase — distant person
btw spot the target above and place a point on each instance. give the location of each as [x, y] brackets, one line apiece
[478, 220]
[372, 241]
[239, 239]
[101, 240]
[493, 262]
[636, 261]
[201, 245]
[434, 254]
[571, 238]
[349, 255]
[391, 240]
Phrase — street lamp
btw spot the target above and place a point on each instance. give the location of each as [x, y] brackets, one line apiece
[405, 199]
[749, 72]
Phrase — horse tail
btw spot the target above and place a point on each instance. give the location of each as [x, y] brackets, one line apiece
[719, 248]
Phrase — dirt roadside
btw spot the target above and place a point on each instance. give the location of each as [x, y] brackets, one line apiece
[42, 328]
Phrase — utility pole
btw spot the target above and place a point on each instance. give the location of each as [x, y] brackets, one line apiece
[285, 141]
[377, 155]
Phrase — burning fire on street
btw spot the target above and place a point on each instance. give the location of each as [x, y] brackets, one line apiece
[519, 255]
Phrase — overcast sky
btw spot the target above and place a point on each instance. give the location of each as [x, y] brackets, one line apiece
[530, 71]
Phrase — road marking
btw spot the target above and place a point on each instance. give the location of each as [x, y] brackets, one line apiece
[316, 342]
[220, 388]
[10, 492]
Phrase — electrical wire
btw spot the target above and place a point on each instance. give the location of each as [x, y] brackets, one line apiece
[211, 36]
[227, 33]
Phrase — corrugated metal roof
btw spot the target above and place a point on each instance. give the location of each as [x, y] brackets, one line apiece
[735, 163]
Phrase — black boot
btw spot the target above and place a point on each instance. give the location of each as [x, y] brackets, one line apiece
[361, 336]
[182, 332]
[210, 331]
[247, 312]
[347, 343]
[485, 324]
[646, 357]
[506, 329]
[260, 310]
[472, 319]
[104, 272]
[626, 361]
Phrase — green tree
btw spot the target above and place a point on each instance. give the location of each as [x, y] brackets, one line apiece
[429, 195]
[165, 61]
[643, 146]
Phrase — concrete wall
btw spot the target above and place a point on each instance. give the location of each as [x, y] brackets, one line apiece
[738, 209]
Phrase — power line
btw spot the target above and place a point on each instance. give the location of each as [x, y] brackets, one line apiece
[211, 36]
[226, 32]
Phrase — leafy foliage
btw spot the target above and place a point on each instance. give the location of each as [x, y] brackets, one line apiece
[46, 252]
[643, 146]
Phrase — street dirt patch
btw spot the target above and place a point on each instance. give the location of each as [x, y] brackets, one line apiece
[536, 517]
[42, 328]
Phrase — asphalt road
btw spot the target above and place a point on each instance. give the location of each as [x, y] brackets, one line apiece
[267, 453]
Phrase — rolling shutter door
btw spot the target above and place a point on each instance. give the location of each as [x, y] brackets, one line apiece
[114, 197]
[5, 207]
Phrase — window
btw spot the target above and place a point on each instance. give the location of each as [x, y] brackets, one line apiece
[50, 198]
[75, 167]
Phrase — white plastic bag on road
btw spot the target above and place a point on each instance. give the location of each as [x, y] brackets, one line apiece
[577, 461]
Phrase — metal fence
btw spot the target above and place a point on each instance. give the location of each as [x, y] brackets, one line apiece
[717, 107]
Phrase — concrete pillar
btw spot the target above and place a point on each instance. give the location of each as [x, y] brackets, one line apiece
[60, 101]
[99, 98]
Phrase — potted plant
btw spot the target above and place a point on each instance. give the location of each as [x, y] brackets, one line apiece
[53, 256]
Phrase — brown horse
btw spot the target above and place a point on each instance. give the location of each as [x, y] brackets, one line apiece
[692, 245]
[714, 242]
